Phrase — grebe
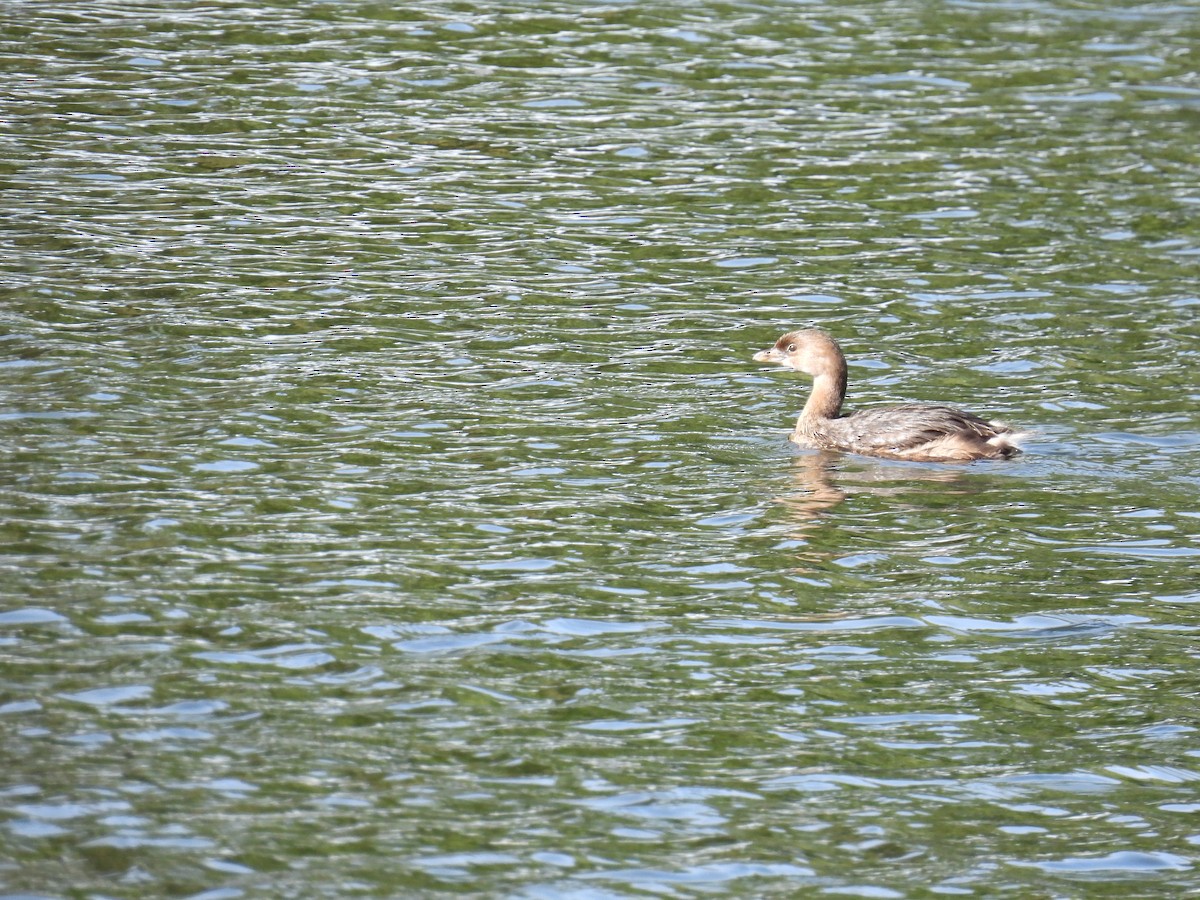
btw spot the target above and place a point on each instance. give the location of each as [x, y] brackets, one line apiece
[916, 431]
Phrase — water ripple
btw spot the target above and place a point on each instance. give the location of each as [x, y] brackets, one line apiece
[387, 482]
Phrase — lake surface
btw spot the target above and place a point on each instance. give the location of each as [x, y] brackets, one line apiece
[389, 505]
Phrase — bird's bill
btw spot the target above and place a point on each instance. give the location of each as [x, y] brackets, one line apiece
[770, 355]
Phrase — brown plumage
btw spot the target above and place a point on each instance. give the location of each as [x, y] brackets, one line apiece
[916, 431]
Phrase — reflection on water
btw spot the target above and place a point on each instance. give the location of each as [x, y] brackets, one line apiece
[823, 480]
[389, 506]
[815, 490]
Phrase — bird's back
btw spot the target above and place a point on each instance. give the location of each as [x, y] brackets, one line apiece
[917, 431]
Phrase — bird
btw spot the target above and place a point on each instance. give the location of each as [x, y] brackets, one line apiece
[912, 431]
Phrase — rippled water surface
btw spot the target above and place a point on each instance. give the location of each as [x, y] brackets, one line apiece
[389, 505]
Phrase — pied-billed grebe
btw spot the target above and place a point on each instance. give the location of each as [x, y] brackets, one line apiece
[928, 433]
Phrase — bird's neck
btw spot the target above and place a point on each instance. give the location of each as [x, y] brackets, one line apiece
[825, 401]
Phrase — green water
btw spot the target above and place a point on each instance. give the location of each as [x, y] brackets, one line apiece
[389, 505]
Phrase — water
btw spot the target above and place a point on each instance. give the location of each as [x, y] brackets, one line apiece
[391, 507]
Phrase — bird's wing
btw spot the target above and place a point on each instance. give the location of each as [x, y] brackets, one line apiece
[909, 425]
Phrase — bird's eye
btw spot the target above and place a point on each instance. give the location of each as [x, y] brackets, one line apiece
[791, 348]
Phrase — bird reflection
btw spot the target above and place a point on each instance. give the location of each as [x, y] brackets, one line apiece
[823, 480]
[816, 491]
